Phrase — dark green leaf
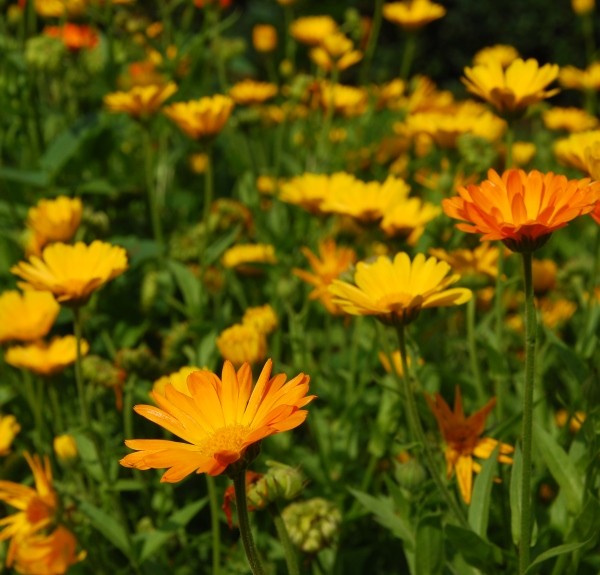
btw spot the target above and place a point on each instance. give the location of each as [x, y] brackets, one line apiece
[479, 510]
[429, 552]
[108, 526]
[556, 551]
[475, 550]
[38, 179]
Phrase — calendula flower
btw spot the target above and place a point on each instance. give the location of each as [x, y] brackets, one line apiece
[577, 151]
[73, 273]
[583, 7]
[312, 524]
[413, 14]
[26, 316]
[512, 90]
[9, 427]
[54, 220]
[45, 358]
[576, 79]
[75, 37]
[65, 447]
[203, 118]
[462, 436]
[335, 52]
[36, 505]
[140, 101]
[347, 101]
[177, 379]
[58, 8]
[483, 260]
[568, 119]
[503, 54]
[242, 343]
[521, 209]
[312, 29]
[264, 38]
[408, 218]
[221, 420]
[243, 254]
[250, 92]
[331, 262]
[396, 290]
[261, 318]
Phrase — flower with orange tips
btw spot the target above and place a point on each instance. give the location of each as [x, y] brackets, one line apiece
[203, 118]
[312, 29]
[75, 37]
[73, 273]
[140, 101]
[26, 316]
[521, 209]
[523, 83]
[462, 436]
[219, 420]
[413, 14]
[395, 290]
[250, 92]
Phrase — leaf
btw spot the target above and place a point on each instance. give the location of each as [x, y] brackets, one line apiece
[429, 552]
[188, 284]
[108, 526]
[475, 550]
[515, 496]
[38, 179]
[561, 467]
[556, 551]
[218, 247]
[479, 510]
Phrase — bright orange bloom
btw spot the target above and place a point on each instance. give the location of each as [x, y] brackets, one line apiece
[521, 209]
[219, 419]
[463, 441]
[75, 37]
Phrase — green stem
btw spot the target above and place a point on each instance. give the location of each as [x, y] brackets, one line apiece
[239, 484]
[36, 408]
[476, 372]
[59, 426]
[417, 432]
[323, 142]
[77, 327]
[151, 190]
[509, 139]
[289, 551]
[530, 337]
[214, 525]
[499, 325]
[372, 42]
[408, 55]
[207, 204]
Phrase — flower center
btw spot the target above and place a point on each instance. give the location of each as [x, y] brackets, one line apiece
[37, 511]
[229, 438]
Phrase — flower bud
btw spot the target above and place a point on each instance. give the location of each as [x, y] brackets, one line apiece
[280, 482]
[264, 38]
[312, 524]
[65, 448]
[410, 474]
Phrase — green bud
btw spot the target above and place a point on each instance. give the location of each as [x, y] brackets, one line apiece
[410, 474]
[139, 360]
[100, 371]
[44, 53]
[280, 482]
[312, 524]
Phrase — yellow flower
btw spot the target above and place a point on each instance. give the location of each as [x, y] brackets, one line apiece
[310, 190]
[569, 119]
[396, 290]
[463, 439]
[312, 29]
[347, 101]
[65, 447]
[261, 318]
[522, 153]
[481, 260]
[36, 505]
[201, 118]
[220, 422]
[73, 273]
[140, 101]
[544, 275]
[409, 218]
[575, 420]
[54, 220]
[581, 7]
[576, 79]
[9, 427]
[502, 54]
[396, 363]
[523, 83]
[264, 38]
[198, 163]
[250, 92]
[26, 316]
[45, 358]
[576, 150]
[58, 8]
[413, 14]
[555, 312]
[331, 262]
[242, 343]
[177, 379]
[241, 255]
[335, 52]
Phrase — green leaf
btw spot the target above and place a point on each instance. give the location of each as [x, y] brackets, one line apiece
[38, 179]
[556, 551]
[561, 467]
[154, 540]
[218, 247]
[188, 284]
[515, 496]
[479, 510]
[429, 552]
[475, 550]
[108, 526]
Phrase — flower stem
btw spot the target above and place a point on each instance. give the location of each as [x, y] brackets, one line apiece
[284, 538]
[408, 55]
[530, 337]
[239, 484]
[499, 325]
[476, 372]
[508, 144]
[214, 525]
[77, 327]
[208, 199]
[417, 432]
[151, 191]
[372, 42]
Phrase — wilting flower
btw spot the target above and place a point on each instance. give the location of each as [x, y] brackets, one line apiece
[523, 83]
[219, 420]
[503, 54]
[242, 343]
[312, 29]
[177, 379]
[264, 38]
[312, 524]
[140, 101]
[483, 260]
[262, 318]
[243, 254]
[26, 316]
[45, 358]
[521, 209]
[65, 447]
[75, 37]
[9, 427]
[73, 273]
[413, 14]
[331, 262]
[568, 119]
[462, 436]
[396, 290]
[250, 92]
[203, 118]
[584, 80]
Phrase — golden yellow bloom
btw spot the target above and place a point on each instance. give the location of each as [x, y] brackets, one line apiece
[250, 92]
[335, 52]
[177, 379]
[576, 79]
[502, 54]
[521, 209]
[576, 150]
[243, 254]
[54, 220]
[396, 363]
[9, 427]
[310, 190]
[73, 273]
[242, 343]
[312, 29]
[45, 358]
[424, 96]
[26, 316]
[522, 153]
[36, 505]
[140, 101]
[201, 118]
[198, 163]
[261, 318]
[58, 8]
[220, 422]
[483, 260]
[347, 101]
[576, 420]
[544, 275]
[331, 262]
[555, 312]
[581, 7]
[396, 290]
[462, 436]
[65, 447]
[264, 38]
[569, 119]
[523, 83]
[40, 554]
[409, 218]
[413, 14]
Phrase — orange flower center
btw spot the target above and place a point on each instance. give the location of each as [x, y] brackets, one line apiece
[37, 511]
[397, 301]
[226, 439]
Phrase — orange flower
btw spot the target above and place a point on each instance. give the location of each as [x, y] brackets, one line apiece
[203, 118]
[73, 36]
[521, 209]
[463, 441]
[220, 419]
